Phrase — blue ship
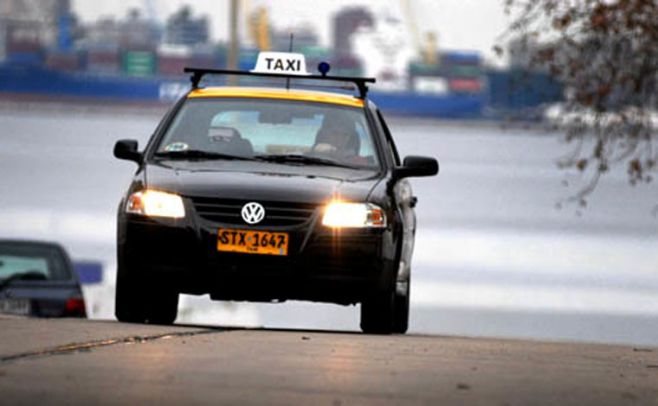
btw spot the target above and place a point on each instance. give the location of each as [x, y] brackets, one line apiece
[35, 80]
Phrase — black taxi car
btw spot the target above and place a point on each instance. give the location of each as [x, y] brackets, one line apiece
[269, 194]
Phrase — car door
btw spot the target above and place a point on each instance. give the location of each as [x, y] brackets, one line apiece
[405, 201]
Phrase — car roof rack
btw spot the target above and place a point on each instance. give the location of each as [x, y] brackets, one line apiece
[199, 73]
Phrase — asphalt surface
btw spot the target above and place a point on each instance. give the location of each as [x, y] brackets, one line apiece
[94, 362]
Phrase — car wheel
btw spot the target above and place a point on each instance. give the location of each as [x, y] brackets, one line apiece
[129, 301]
[401, 321]
[162, 307]
[377, 313]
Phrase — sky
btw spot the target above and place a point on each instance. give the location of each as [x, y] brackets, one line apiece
[459, 24]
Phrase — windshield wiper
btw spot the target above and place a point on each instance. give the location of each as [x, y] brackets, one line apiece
[22, 276]
[302, 159]
[199, 154]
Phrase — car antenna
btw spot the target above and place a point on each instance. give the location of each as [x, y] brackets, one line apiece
[289, 50]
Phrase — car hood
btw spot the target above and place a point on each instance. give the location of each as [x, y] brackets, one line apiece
[260, 181]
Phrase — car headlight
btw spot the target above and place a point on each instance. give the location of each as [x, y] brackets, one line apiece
[353, 215]
[153, 203]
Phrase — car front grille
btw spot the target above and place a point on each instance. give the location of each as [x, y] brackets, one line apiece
[228, 211]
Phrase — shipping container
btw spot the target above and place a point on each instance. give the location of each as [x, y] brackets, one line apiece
[466, 85]
[424, 69]
[430, 85]
[103, 61]
[68, 61]
[517, 90]
[172, 65]
[465, 71]
[460, 58]
[23, 46]
[139, 63]
[22, 38]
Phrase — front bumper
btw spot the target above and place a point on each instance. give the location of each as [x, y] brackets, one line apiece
[322, 265]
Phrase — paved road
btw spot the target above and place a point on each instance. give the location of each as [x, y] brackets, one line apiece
[84, 362]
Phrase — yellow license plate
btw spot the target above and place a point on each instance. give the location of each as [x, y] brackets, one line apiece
[252, 242]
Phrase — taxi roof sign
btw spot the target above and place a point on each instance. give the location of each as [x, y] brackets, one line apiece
[281, 62]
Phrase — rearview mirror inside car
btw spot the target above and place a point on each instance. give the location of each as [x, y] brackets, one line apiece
[127, 149]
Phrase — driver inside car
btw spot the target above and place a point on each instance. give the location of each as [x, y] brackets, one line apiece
[338, 139]
[228, 140]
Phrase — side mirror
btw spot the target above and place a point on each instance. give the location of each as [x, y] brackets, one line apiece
[414, 166]
[127, 149]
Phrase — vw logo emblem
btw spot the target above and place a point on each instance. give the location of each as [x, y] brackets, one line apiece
[253, 212]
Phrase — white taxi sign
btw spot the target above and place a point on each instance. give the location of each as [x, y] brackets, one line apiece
[281, 62]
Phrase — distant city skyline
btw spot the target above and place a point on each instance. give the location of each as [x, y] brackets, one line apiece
[459, 24]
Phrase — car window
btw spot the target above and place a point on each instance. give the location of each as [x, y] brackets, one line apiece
[11, 264]
[389, 139]
[250, 127]
[21, 258]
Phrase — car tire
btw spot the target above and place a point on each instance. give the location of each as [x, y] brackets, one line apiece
[378, 313]
[135, 302]
[401, 317]
[129, 304]
[162, 307]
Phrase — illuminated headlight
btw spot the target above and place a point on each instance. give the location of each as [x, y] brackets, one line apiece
[353, 215]
[156, 204]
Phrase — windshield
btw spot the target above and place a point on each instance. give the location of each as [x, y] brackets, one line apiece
[23, 258]
[290, 132]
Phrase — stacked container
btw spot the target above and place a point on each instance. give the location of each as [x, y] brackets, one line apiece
[172, 59]
[465, 71]
[21, 48]
[63, 61]
[103, 60]
[139, 63]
